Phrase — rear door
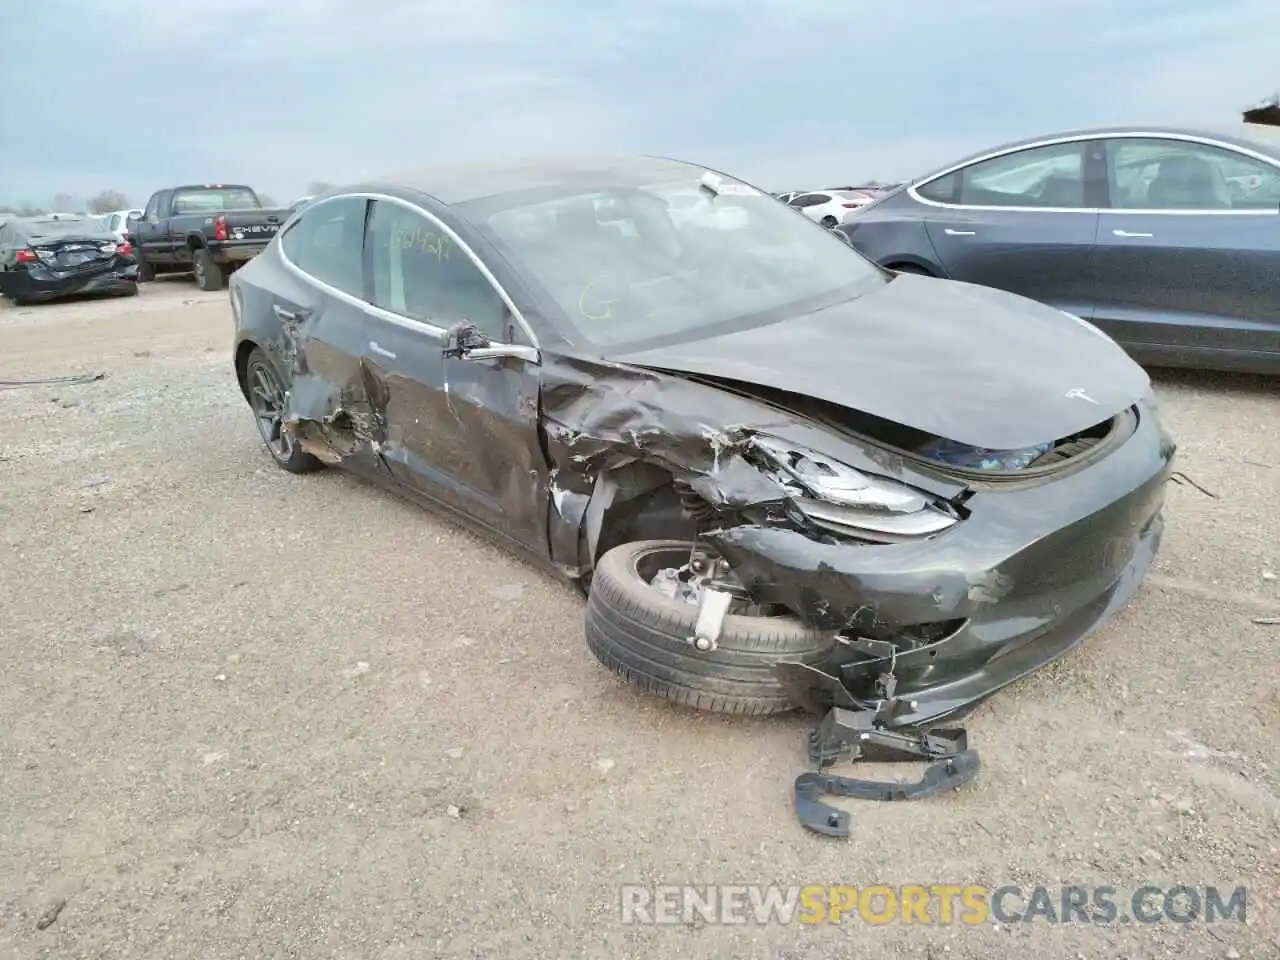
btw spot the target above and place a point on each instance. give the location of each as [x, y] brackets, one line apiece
[1188, 258]
[1024, 221]
[319, 302]
[462, 432]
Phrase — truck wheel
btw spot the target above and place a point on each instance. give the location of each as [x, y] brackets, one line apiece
[641, 635]
[146, 273]
[209, 275]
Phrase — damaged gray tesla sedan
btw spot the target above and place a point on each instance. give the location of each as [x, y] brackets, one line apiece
[783, 475]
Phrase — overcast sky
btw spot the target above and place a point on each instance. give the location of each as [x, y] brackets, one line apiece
[142, 94]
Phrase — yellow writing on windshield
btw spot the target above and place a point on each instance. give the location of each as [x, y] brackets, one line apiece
[424, 240]
[603, 308]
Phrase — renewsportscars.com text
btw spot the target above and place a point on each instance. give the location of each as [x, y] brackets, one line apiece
[941, 904]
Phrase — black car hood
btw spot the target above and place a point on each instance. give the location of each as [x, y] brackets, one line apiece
[967, 363]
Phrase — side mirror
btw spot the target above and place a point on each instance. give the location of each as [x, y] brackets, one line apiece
[466, 342]
[463, 339]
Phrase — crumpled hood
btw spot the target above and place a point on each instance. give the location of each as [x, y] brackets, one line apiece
[972, 364]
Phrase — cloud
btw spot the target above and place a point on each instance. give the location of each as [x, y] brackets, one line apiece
[280, 94]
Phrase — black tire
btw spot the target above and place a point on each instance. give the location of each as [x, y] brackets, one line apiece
[640, 635]
[146, 272]
[912, 269]
[209, 275]
[829, 222]
[284, 451]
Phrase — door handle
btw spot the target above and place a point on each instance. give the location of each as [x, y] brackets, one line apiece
[958, 233]
[1126, 233]
[290, 316]
[373, 345]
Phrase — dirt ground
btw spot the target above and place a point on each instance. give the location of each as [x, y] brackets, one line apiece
[247, 714]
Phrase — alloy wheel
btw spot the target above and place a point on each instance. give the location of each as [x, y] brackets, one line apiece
[266, 397]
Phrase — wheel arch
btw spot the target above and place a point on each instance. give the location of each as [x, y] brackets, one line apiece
[243, 349]
[594, 514]
[911, 264]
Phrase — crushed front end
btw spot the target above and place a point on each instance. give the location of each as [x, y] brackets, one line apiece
[939, 603]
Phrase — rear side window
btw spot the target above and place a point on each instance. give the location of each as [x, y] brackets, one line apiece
[1048, 176]
[327, 242]
[942, 190]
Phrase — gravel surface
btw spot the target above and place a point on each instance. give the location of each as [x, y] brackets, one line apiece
[247, 714]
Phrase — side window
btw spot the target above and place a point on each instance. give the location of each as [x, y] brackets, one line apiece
[327, 243]
[153, 206]
[942, 190]
[1157, 174]
[419, 272]
[1048, 176]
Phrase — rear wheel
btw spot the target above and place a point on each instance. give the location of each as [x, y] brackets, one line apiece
[209, 275]
[643, 609]
[829, 222]
[266, 393]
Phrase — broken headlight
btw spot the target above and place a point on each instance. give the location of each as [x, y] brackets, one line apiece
[844, 500]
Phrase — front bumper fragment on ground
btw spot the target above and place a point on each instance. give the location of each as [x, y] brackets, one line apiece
[941, 775]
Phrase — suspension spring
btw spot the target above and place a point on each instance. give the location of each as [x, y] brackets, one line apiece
[693, 505]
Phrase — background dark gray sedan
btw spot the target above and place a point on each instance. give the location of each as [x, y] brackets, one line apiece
[1167, 239]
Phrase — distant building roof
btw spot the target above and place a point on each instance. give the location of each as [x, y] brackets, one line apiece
[1266, 112]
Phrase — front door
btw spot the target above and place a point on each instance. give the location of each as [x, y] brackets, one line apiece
[1025, 222]
[463, 432]
[1188, 256]
[151, 235]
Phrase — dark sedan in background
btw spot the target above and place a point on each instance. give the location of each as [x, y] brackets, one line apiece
[1168, 239]
[43, 258]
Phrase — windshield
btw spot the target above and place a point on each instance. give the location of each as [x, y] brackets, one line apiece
[56, 228]
[207, 199]
[632, 265]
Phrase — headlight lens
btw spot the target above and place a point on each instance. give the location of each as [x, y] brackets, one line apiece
[836, 496]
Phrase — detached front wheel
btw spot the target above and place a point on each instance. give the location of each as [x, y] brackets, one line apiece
[642, 612]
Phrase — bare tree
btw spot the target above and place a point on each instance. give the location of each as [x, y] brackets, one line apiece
[318, 186]
[108, 201]
[64, 203]
[266, 200]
